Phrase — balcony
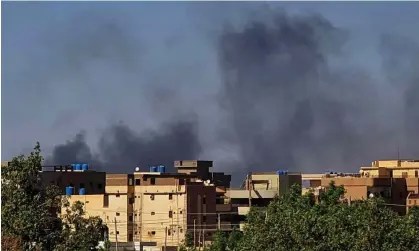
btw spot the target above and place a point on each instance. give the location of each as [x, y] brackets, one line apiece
[223, 207]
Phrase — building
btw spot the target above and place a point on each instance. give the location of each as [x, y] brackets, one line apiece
[392, 180]
[392, 168]
[71, 175]
[258, 189]
[156, 208]
[412, 201]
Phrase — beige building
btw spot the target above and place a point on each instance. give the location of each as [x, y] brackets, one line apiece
[258, 189]
[392, 168]
[156, 209]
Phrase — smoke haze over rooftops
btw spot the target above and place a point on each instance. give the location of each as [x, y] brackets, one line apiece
[246, 85]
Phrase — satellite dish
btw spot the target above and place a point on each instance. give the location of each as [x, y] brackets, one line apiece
[371, 195]
[137, 169]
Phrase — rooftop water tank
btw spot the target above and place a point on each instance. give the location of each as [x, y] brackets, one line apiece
[280, 172]
[161, 169]
[68, 191]
[154, 169]
[78, 167]
[73, 166]
[84, 167]
[82, 191]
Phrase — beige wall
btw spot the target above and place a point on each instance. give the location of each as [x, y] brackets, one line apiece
[155, 204]
[118, 210]
[272, 181]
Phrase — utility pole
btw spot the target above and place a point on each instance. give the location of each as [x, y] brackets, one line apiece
[194, 234]
[165, 240]
[250, 191]
[116, 235]
[203, 237]
[219, 222]
[133, 224]
[199, 239]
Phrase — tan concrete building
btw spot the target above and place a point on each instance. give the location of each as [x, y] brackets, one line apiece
[153, 209]
[392, 168]
[258, 189]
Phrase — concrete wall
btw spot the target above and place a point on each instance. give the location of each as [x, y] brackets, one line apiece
[117, 210]
[161, 206]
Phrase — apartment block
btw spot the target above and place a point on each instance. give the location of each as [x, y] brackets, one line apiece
[155, 209]
[258, 189]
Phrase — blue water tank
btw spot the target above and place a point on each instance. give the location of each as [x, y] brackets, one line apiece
[67, 191]
[84, 167]
[161, 169]
[154, 169]
[280, 172]
[71, 190]
[78, 167]
[151, 169]
[82, 191]
[73, 166]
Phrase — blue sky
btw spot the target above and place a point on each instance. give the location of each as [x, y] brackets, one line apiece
[55, 83]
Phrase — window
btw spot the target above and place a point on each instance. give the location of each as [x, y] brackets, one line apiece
[410, 201]
[153, 213]
[204, 218]
[117, 195]
[136, 232]
[99, 186]
[117, 232]
[152, 197]
[180, 212]
[137, 182]
[169, 232]
[106, 200]
[170, 196]
[130, 219]
[181, 230]
[153, 181]
[153, 232]
[170, 214]
[117, 214]
[130, 237]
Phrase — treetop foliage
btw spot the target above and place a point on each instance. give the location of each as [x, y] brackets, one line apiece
[31, 213]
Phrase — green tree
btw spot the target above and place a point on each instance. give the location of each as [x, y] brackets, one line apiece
[27, 210]
[219, 242]
[31, 212]
[79, 232]
[295, 222]
[233, 239]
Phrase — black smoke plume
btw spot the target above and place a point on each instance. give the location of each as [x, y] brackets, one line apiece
[292, 108]
[289, 101]
[122, 149]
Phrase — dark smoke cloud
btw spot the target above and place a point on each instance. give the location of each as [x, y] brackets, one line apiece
[121, 149]
[289, 101]
[291, 108]
[401, 65]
